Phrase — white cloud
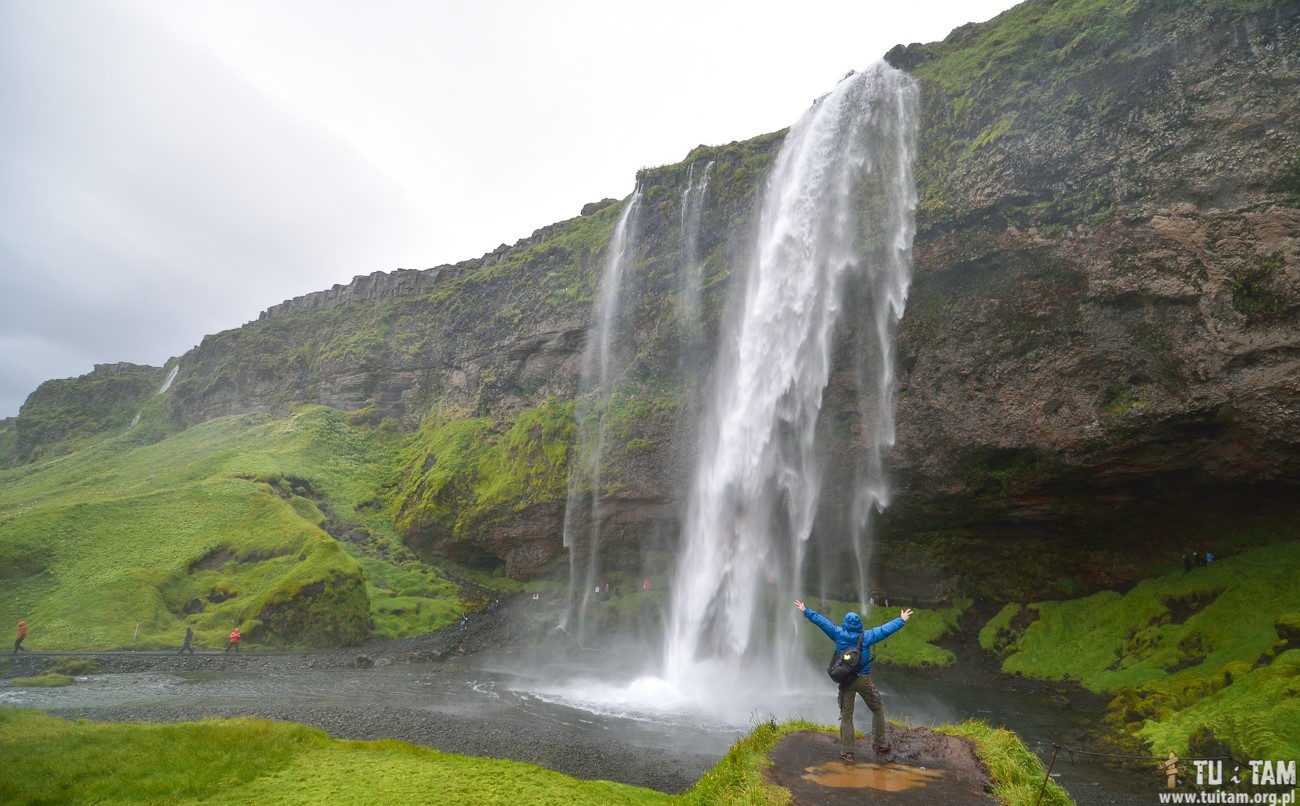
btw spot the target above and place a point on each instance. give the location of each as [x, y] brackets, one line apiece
[171, 169]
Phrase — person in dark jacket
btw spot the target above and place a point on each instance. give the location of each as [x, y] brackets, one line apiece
[846, 637]
[189, 636]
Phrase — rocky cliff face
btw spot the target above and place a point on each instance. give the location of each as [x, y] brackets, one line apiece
[1107, 278]
[105, 399]
[1103, 322]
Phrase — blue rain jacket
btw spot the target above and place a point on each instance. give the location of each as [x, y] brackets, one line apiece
[846, 635]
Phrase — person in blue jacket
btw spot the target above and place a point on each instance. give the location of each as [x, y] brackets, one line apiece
[846, 637]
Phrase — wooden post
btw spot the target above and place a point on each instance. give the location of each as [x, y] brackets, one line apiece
[1056, 748]
[1170, 766]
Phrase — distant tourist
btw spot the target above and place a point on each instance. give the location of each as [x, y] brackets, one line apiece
[22, 633]
[851, 635]
[1209, 556]
[189, 636]
[464, 621]
[234, 641]
[493, 607]
[645, 584]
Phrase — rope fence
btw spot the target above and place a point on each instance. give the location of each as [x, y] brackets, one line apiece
[1165, 762]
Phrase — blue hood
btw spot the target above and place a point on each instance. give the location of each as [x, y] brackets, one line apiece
[852, 622]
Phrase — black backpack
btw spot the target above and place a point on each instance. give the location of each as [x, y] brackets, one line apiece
[844, 665]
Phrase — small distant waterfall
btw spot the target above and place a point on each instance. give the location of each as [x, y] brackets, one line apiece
[166, 384]
[171, 376]
[600, 371]
[836, 213]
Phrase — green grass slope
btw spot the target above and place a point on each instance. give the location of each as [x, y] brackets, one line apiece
[114, 545]
[1189, 655]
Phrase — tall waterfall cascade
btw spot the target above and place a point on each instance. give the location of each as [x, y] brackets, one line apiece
[600, 372]
[820, 265]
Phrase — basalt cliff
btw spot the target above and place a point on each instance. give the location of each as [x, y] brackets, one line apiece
[1101, 343]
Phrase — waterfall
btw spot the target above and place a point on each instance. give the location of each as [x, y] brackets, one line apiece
[836, 214]
[171, 376]
[166, 384]
[600, 373]
[692, 271]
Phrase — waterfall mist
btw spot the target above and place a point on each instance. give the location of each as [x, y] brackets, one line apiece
[835, 228]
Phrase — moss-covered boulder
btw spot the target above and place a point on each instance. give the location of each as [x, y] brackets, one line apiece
[321, 601]
[1288, 628]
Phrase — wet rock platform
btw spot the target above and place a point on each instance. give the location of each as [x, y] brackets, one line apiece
[923, 767]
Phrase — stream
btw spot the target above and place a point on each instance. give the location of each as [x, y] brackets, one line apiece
[643, 718]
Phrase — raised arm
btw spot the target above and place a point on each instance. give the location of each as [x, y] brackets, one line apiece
[826, 625]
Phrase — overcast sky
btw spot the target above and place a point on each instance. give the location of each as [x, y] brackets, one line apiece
[171, 168]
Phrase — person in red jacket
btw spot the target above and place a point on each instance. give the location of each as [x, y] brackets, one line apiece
[22, 633]
[234, 640]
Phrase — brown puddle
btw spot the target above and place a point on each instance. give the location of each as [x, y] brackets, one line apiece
[866, 775]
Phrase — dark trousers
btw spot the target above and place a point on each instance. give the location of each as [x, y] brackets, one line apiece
[18, 645]
[863, 686]
[186, 647]
[234, 644]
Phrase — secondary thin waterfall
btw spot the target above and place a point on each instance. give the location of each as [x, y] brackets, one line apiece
[692, 271]
[599, 373]
[836, 212]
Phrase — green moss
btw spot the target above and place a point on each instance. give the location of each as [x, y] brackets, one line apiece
[1259, 292]
[998, 633]
[464, 472]
[1145, 638]
[47, 680]
[1119, 399]
[1257, 715]
[1191, 657]
[319, 599]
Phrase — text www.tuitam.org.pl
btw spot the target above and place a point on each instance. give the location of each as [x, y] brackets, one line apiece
[1272, 798]
[1211, 772]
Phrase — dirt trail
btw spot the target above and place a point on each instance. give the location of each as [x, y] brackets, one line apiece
[923, 768]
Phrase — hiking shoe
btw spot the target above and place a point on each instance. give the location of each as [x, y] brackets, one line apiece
[881, 748]
[847, 758]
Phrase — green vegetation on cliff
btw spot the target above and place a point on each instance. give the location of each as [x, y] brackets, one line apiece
[1046, 69]
[1184, 653]
[62, 414]
[462, 473]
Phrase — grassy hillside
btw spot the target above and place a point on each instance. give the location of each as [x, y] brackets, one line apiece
[1194, 658]
[222, 525]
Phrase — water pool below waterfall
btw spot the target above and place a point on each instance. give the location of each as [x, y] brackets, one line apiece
[633, 715]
